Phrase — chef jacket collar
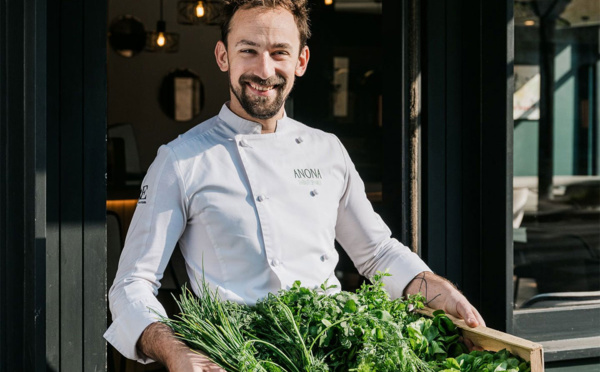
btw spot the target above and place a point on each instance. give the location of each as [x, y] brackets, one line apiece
[242, 126]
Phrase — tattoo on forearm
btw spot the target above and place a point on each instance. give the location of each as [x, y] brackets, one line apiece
[423, 284]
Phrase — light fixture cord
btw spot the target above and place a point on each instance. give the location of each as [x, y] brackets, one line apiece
[161, 10]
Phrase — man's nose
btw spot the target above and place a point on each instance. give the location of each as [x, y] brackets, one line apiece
[265, 67]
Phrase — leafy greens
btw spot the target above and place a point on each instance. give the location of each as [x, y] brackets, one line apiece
[307, 330]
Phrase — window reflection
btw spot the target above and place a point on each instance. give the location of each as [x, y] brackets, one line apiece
[556, 209]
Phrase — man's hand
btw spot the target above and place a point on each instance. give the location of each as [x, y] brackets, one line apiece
[441, 294]
[159, 343]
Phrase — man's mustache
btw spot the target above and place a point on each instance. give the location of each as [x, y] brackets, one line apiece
[273, 80]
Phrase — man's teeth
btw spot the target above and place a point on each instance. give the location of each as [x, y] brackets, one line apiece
[261, 88]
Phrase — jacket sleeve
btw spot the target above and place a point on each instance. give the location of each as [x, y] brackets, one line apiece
[158, 222]
[367, 239]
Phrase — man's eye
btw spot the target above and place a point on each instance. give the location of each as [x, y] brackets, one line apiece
[248, 51]
[280, 54]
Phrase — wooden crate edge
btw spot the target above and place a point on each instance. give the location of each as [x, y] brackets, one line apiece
[493, 340]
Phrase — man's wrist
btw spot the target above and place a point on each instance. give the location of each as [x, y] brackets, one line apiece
[438, 291]
[158, 343]
[419, 284]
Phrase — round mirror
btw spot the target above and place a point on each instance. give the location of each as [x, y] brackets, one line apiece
[181, 95]
[127, 36]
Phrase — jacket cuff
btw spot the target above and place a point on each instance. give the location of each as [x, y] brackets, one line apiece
[127, 327]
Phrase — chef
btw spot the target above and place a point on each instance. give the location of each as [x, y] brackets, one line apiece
[255, 199]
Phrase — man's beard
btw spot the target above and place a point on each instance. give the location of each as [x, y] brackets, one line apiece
[256, 106]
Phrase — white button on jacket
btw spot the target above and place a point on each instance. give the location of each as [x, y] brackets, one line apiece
[243, 207]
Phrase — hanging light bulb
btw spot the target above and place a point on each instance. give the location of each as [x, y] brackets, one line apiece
[200, 9]
[328, 2]
[198, 12]
[161, 40]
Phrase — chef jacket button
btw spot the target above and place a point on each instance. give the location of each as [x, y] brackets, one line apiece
[324, 257]
[244, 143]
[299, 140]
[314, 193]
[261, 198]
[275, 262]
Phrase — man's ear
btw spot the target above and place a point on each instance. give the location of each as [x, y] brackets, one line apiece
[302, 61]
[221, 56]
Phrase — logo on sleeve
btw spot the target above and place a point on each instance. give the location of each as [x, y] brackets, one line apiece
[142, 199]
[308, 176]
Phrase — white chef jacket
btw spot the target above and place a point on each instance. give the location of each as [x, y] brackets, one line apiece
[253, 213]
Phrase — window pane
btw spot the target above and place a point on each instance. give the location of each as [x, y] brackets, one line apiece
[556, 153]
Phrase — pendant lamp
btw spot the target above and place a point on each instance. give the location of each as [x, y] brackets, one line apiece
[161, 40]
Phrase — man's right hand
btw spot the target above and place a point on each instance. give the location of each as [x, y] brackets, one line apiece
[159, 343]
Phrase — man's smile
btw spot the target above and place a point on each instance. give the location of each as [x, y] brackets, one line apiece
[262, 90]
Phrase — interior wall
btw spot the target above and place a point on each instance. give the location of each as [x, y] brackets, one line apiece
[133, 83]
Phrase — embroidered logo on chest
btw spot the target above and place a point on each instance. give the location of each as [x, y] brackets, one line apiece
[308, 176]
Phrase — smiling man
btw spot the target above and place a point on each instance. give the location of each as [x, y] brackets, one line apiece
[262, 52]
[255, 199]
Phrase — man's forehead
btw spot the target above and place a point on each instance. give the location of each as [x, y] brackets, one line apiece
[258, 26]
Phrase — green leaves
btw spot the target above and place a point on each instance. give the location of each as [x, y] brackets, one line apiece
[306, 330]
[350, 307]
[485, 361]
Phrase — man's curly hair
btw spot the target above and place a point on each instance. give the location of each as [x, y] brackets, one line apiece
[298, 8]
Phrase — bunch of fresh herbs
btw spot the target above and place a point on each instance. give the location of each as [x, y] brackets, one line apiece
[302, 329]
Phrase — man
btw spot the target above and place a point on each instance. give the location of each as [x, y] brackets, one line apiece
[254, 198]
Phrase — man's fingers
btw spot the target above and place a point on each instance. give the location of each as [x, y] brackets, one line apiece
[469, 314]
[479, 318]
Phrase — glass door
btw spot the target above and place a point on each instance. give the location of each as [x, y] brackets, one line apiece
[556, 195]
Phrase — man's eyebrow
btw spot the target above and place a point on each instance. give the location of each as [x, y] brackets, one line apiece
[282, 46]
[245, 42]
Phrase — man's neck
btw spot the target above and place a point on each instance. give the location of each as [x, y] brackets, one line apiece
[268, 125]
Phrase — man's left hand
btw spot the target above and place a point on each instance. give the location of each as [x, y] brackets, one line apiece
[441, 294]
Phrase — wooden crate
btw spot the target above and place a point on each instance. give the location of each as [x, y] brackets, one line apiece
[493, 340]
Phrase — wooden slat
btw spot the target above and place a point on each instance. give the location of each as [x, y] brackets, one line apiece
[493, 340]
[35, 184]
[435, 123]
[3, 192]
[496, 169]
[53, 247]
[71, 186]
[94, 194]
[22, 194]
[11, 181]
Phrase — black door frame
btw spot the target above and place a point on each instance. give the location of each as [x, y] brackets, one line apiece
[467, 155]
[52, 185]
